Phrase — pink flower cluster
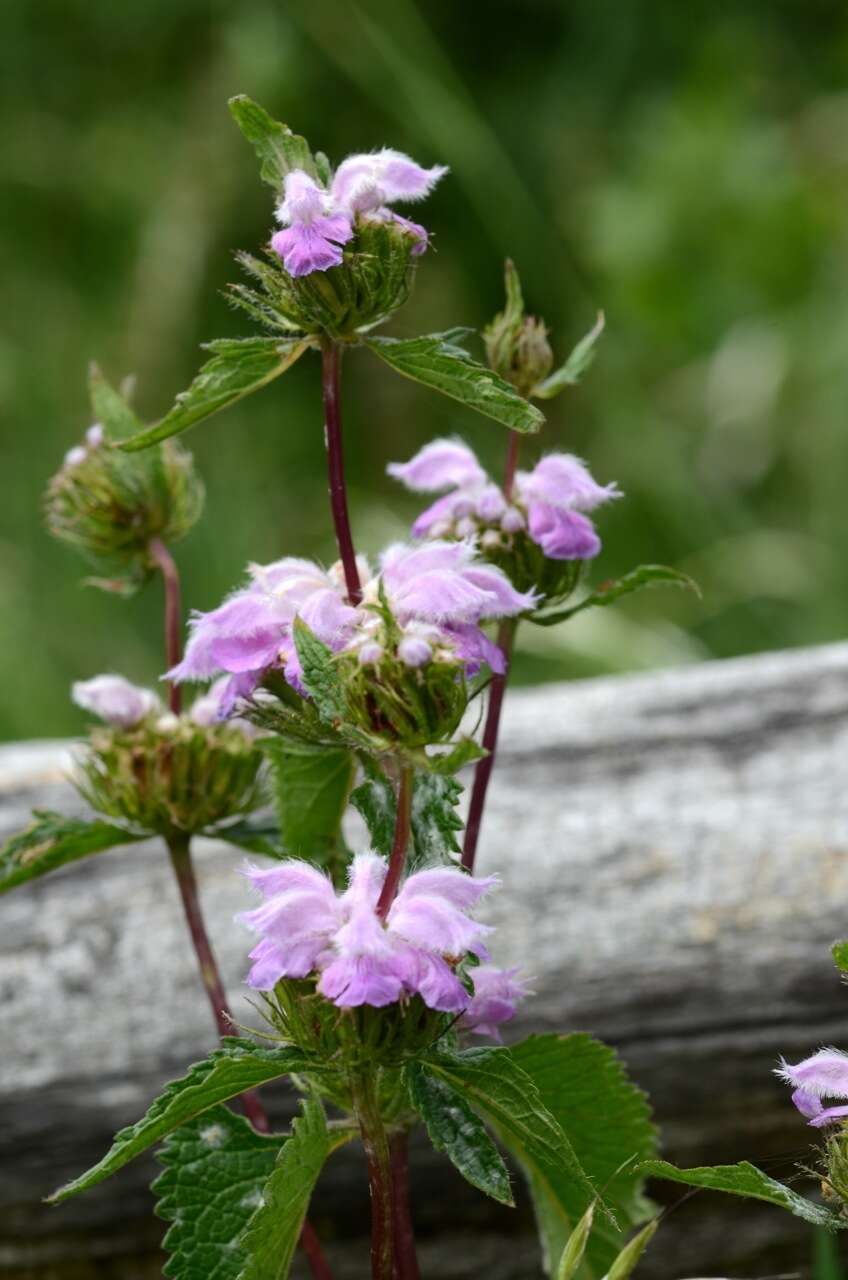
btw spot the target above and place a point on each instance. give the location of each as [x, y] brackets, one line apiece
[438, 593]
[550, 502]
[307, 927]
[124, 705]
[316, 221]
[823, 1075]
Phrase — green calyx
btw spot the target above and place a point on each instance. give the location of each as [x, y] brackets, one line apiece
[373, 281]
[171, 776]
[517, 346]
[528, 568]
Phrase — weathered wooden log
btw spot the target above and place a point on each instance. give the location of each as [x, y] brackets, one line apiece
[674, 851]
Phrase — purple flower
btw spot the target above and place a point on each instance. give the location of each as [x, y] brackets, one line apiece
[312, 232]
[438, 593]
[824, 1074]
[306, 927]
[366, 185]
[216, 705]
[550, 501]
[115, 700]
[496, 997]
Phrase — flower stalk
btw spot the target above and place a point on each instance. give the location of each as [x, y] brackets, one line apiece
[406, 1260]
[483, 771]
[166, 564]
[331, 359]
[378, 1157]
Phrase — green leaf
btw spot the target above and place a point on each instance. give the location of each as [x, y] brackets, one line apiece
[278, 149]
[746, 1179]
[255, 834]
[435, 820]
[464, 751]
[607, 1120]
[238, 367]
[506, 1097]
[626, 1261]
[513, 312]
[237, 1066]
[311, 788]
[271, 1235]
[839, 951]
[456, 1131]
[109, 407]
[437, 362]
[647, 575]
[376, 801]
[320, 675]
[569, 374]
[572, 1254]
[52, 840]
[215, 1169]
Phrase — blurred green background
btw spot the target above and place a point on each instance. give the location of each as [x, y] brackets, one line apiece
[683, 166]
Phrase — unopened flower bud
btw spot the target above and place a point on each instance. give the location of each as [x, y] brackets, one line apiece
[517, 345]
[167, 723]
[490, 539]
[370, 654]
[109, 505]
[512, 521]
[414, 652]
[115, 700]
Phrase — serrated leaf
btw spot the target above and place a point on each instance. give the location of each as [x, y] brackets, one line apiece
[747, 1180]
[52, 840]
[607, 1120]
[434, 819]
[839, 951]
[375, 800]
[255, 834]
[271, 1235]
[464, 751]
[279, 150]
[238, 367]
[215, 1169]
[456, 1131]
[647, 575]
[109, 407]
[311, 787]
[436, 361]
[237, 1066]
[569, 374]
[319, 673]
[493, 1083]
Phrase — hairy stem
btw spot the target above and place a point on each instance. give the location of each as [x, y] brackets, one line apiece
[377, 1155]
[331, 358]
[180, 850]
[406, 1260]
[483, 771]
[173, 614]
[397, 861]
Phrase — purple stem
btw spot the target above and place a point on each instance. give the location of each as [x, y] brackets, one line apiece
[331, 360]
[166, 564]
[406, 1259]
[483, 772]
[375, 1142]
[397, 861]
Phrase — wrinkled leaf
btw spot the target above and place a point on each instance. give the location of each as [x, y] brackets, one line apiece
[238, 367]
[376, 801]
[53, 840]
[239, 1065]
[320, 676]
[493, 1083]
[311, 787]
[647, 575]
[747, 1180]
[436, 361]
[607, 1120]
[215, 1169]
[435, 820]
[456, 1131]
[271, 1235]
[279, 150]
[569, 374]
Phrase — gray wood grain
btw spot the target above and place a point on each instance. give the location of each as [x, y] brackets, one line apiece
[673, 853]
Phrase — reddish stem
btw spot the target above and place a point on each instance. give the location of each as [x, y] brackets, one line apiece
[513, 450]
[331, 360]
[173, 615]
[397, 861]
[483, 772]
[375, 1142]
[406, 1260]
[180, 851]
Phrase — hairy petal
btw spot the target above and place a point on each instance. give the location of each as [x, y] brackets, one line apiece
[441, 464]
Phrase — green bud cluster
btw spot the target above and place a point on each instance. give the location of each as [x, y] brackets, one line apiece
[835, 1162]
[527, 567]
[373, 281]
[517, 345]
[171, 775]
[412, 706]
[110, 505]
